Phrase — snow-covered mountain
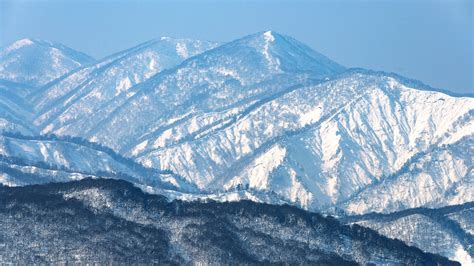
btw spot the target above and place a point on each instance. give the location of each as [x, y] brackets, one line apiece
[267, 113]
[224, 79]
[73, 98]
[263, 118]
[36, 62]
[314, 145]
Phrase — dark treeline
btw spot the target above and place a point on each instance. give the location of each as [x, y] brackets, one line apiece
[242, 232]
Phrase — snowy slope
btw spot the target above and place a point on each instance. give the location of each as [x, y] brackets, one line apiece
[315, 145]
[14, 111]
[37, 62]
[442, 176]
[106, 84]
[64, 159]
[441, 231]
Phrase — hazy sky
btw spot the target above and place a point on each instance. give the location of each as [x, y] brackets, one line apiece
[428, 40]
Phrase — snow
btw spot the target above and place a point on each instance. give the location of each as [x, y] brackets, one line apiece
[152, 66]
[139, 148]
[463, 257]
[311, 116]
[18, 44]
[273, 62]
[250, 112]
[258, 173]
[182, 50]
[123, 85]
[37, 62]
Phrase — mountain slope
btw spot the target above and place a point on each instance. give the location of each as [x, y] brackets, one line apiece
[36, 62]
[115, 222]
[54, 159]
[314, 145]
[14, 111]
[80, 94]
[446, 231]
[442, 176]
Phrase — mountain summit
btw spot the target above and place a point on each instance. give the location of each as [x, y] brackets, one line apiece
[259, 56]
[36, 62]
[282, 53]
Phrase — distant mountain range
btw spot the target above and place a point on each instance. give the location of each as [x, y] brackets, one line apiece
[263, 118]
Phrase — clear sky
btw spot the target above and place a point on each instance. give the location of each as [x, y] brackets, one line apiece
[427, 40]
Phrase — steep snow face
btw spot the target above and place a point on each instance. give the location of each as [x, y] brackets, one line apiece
[319, 145]
[65, 103]
[443, 175]
[14, 112]
[30, 160]
[212, 85]
[59, 154]
[36, 62]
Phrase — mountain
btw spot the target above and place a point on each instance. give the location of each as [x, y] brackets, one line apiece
[315, 145]
[110, 221]
[261, 118]
[68, 101]
[447, 231]
[267, 113]
[222, 80]
[36, 62]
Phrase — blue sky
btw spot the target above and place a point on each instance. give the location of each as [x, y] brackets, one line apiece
[427, 40]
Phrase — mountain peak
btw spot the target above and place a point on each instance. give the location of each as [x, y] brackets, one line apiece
[268, 35]
[26, 42]
[269, 52]
[35, 62]
[18, 44]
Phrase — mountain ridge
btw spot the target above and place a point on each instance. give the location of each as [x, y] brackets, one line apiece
[36, 62]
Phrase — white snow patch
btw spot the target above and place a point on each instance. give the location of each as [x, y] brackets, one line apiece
[182, 50]
[331, 186]
[18, 44]
[124, 85]
[44, 151]
[139, 148]
[273, 62]
[151, 65]
[47, 129]
[463, 257]
[259, 172]
[311, 116]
